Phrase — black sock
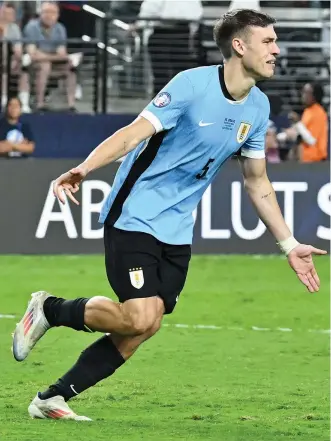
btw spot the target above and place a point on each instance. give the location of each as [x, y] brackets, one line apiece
[97, 362]
[70, 313]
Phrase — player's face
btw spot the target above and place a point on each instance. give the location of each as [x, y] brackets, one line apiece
[260, 52]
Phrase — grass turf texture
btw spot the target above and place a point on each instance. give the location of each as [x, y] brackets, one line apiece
[184, 384]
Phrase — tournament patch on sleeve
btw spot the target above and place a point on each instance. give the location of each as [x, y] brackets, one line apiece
[163, 99]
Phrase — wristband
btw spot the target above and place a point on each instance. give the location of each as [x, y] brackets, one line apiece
[288, 244]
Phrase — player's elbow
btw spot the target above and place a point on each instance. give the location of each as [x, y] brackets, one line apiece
[253, 183]
[136, 132]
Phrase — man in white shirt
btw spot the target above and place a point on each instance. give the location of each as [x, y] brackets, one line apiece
[169, 46]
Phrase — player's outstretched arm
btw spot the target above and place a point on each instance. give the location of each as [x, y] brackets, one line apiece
[264, 199]
[113, 148]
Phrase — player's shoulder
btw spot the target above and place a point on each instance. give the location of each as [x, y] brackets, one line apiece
[200, 77]
[198, 74]
[260, 98]
[201, 71]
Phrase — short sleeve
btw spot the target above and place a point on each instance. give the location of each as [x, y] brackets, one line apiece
[63, 35]
[27, 133]
[254, 147]
[16, 33]
[29, 32]
[168, 106]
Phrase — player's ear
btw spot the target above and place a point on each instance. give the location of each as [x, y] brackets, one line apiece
[238, 46]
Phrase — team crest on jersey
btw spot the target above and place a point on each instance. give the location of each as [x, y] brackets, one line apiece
[162, 99]
[243, 131]
[136, 277]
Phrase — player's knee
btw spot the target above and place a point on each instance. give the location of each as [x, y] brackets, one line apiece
[155, 327]
[141, 324]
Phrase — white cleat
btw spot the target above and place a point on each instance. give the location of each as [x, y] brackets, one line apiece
[54, 408]
[32, 326]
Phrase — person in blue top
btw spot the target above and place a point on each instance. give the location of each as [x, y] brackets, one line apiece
[174, 150]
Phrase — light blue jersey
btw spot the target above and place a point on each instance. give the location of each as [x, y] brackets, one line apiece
[198, 127]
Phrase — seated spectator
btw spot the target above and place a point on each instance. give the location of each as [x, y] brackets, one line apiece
[271, 144]
[16, 140]
[48, 54]
[10, 31]
[312, 127]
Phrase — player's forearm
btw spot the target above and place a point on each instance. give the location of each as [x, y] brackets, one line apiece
[113, 148]
[265, 202]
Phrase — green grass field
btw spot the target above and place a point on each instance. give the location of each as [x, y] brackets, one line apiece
[229, 384]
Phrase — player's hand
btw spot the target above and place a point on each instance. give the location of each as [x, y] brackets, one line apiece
[300, 259]
[68, 183]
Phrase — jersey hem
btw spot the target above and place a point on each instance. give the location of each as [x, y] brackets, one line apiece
[148, 231]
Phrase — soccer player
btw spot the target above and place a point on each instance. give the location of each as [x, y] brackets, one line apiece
[174, 150]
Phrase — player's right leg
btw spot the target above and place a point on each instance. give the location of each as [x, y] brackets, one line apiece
[99, 361]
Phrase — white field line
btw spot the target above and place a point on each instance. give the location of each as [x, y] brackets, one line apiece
[238, 328]
[217, 328]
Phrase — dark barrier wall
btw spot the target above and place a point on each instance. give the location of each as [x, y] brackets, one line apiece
[33, 222]
[72, 136]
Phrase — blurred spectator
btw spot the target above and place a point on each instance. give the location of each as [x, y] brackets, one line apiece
[16, 140]
[10, 31]
[77, 23]
[281, 122]
[125, 10]
[49, 56]
[169, 44]
[312, 127]
[271, 144]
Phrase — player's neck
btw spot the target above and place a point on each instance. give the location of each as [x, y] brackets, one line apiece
[237, 81]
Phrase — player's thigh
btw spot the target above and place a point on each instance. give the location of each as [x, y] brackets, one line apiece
[132, 263]
[173, 272]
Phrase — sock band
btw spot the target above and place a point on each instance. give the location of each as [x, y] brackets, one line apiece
[70, 313]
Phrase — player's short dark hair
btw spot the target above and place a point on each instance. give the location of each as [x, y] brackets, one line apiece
[236, 22]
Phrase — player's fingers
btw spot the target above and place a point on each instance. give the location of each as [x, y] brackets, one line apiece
[318, 251]
[312, 282]
[70, 196]
[67, 186]
[75, 188]
[316, 278]
[305, 281]
[58, 192]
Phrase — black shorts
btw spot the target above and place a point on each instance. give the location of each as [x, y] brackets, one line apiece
[139, 266]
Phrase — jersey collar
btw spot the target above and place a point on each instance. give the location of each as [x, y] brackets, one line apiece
[225, 91]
